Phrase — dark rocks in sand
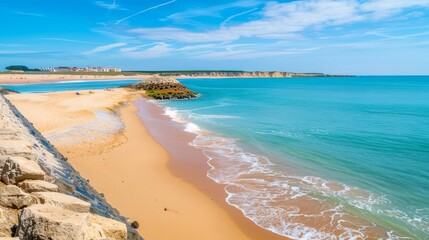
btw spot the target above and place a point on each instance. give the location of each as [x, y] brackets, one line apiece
[4, 91]
[135, 225]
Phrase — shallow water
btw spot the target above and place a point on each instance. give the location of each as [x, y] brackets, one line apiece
[67, 86]
[311, 158]
[318, 158]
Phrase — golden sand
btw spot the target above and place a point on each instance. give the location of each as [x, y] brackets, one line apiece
[134, 171]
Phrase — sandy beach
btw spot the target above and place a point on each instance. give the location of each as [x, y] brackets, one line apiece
[18, 78]
[163, 187]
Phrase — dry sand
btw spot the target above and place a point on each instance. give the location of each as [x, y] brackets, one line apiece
[16, 78]
[136, 174]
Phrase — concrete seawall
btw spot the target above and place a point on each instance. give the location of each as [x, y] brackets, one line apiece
[20, 139]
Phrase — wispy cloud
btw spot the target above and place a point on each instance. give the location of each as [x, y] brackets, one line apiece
[385, 8]
[15, 52]
[11, 45]
[158, 49]
[222, 25]
[67, 40]
[104, 48]
[403, 37]
[109, 6]
[30, 54]
[287, 20]
[210, 11]
[135, 48]
[145, 10]
[29, 14]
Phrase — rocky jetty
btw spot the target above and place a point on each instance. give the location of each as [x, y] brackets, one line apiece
[164, 88]
[42, 196]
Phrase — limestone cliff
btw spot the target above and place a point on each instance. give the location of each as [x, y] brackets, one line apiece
[243, 74]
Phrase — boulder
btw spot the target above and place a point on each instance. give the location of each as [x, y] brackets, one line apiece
[62, 200]
[38, 186]
[7, 134]
[111, 228]
[16, 148]
[2, 162]
[135, 225]
[17, 169]
[51, 222]
[8, 219]
[13, 197]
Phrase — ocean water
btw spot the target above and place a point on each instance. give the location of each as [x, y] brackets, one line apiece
[67, 86]
[318, 158]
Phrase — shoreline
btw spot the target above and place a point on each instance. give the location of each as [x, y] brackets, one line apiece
[159, 127]
[183, 196]
[48, 78]
[23, 78]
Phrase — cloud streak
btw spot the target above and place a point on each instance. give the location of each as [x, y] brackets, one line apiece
[29, 14]
[145, 10]
[286, 20]
[112, 6]
[104, 48]
[223, 24]
[67, 40]
[210, 11]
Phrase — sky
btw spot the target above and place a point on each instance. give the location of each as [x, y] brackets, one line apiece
[366, 37]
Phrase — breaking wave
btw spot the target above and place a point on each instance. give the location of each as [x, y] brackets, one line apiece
[299, 207]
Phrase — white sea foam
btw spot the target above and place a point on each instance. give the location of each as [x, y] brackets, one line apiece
[280, 202]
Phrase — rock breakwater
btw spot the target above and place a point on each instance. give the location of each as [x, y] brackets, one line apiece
[41, 195]
[164, 88]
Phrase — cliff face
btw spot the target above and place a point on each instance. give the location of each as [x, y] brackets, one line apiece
[41, 195]
[235, 74]
[247, 74]
[164, 88]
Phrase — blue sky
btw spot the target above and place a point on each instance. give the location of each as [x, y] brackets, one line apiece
[330, 36]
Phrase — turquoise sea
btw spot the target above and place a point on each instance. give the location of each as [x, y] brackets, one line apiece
[67, 86]
[311, 158]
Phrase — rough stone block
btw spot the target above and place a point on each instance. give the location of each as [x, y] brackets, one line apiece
[17, 169]
[62, 200]
[13, 197]
[37, 186]
[51, 222]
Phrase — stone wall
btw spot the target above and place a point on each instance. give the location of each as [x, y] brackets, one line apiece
[41, 195]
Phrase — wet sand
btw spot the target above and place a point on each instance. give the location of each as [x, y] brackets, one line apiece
[162, 186]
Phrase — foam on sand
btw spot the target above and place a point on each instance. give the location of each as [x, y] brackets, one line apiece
[299, 207]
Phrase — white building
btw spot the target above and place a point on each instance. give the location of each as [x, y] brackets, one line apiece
[75, 69]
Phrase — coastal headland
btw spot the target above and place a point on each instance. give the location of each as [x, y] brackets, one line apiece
[110, 137]
[36, 77]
